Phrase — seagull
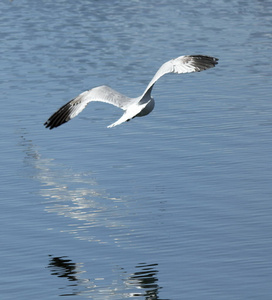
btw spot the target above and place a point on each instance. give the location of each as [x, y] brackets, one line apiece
[133, 107]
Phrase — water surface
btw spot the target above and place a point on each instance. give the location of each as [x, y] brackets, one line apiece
[175, 205]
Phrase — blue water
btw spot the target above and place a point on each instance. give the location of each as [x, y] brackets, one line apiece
[174, 205]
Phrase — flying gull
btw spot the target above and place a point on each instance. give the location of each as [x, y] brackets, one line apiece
[133, 107]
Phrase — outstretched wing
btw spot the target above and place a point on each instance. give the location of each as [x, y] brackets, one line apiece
[75, 106]
[183, 64]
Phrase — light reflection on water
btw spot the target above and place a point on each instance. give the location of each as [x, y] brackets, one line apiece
[78, 197]
[91, 213]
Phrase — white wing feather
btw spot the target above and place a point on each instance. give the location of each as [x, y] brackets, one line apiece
[183, 64]
[75, 106]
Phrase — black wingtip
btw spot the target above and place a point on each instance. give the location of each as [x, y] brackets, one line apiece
[51, 124]
[61, 116]
[210, 59]
[48, 124]
[215, 60]
[204, 62]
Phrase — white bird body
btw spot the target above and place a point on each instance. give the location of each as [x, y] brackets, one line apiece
[133, 107]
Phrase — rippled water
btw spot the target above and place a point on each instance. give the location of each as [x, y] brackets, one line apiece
[175, 205]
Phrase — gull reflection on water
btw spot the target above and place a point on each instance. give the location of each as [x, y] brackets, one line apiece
[144, 280]
[63, 267]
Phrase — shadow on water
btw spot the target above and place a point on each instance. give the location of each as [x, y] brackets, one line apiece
[144, 279]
